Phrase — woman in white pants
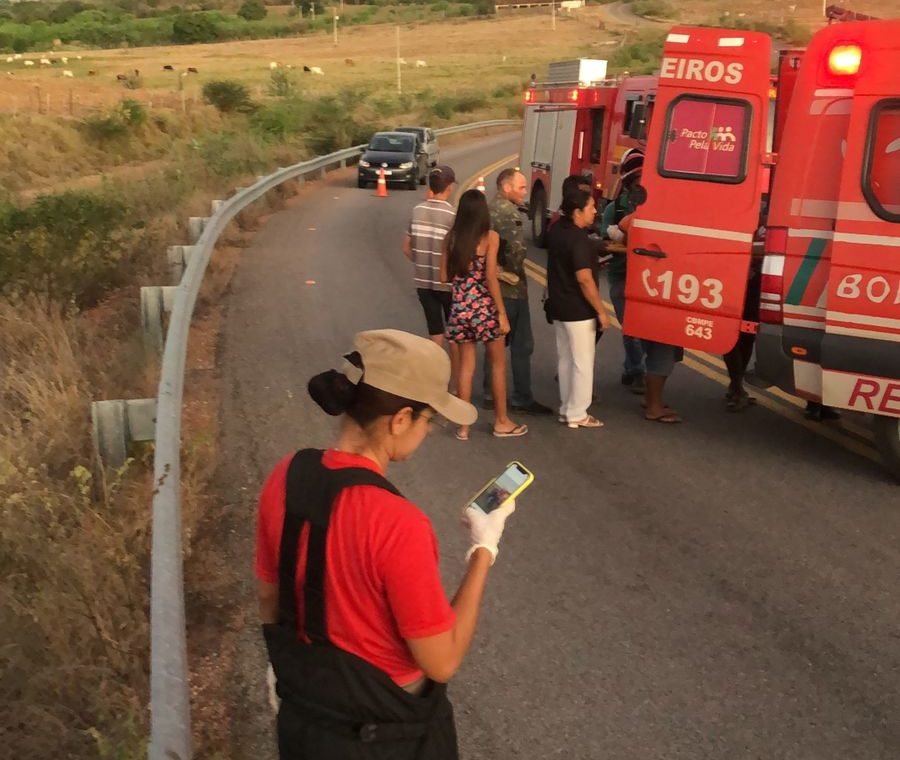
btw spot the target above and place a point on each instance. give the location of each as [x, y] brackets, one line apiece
[575, 306]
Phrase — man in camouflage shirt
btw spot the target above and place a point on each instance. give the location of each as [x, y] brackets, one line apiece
[506, 221]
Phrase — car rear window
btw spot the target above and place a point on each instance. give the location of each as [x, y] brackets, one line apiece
[881, 172]
[706, 139]
[393, 143]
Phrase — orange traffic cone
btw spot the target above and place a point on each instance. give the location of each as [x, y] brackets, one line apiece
[480, 185]
[381, 191]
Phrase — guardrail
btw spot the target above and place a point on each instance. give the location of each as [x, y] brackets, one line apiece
[170, 722]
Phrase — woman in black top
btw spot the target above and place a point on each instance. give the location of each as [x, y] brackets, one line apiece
[575, 306]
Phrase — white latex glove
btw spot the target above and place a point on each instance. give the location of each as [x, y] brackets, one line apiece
[485, 530]
[614, 233]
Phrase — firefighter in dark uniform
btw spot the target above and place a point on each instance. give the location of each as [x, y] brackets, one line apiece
[360, 635]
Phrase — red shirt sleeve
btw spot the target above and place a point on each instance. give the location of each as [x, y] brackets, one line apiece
[270, 521]
[412, 579]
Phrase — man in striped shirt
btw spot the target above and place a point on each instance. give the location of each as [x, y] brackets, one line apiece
[424, 246]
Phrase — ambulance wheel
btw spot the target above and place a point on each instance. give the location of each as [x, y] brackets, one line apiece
[539, 218]
[887, 440]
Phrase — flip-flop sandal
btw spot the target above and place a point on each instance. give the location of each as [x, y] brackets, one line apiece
[587, 422]
[666, 418]
[740, 403]
[516, 432]
[462, 435]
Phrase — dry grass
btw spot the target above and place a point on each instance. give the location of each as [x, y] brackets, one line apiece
[805, 12]
[471, 52]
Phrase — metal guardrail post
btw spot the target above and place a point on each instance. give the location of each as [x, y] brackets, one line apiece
[116, 424]
[170, 709]
[178, 257]
[196, 225]
[156, 301]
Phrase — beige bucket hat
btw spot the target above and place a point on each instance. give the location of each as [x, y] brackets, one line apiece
[411, 367]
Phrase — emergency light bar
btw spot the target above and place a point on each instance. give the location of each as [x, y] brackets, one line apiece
[844, 60]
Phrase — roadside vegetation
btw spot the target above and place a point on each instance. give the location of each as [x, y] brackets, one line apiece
[88, 204]
[26, 26]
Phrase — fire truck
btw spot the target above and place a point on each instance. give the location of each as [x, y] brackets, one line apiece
[580, 122]
[829, 327]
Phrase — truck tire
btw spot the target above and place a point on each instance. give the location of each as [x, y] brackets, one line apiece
[539, 217]
[887, 440]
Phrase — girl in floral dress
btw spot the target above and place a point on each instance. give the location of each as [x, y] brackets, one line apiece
[477, 314]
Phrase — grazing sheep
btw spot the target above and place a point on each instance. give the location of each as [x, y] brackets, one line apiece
[10, 73]
[192, 70]
[273, 65]
[64, 59]
[421, 64]
[67, 73]
[350, 62]
[45, 61]
[92, 73]
[78, 57]
[9, 59]
[168, 67]
[18, 56]
[317, 70]
[29, 63]
[307, 68]
[403, 62]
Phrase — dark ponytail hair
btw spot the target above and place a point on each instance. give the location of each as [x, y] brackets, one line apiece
[574, 200]
[336, 395]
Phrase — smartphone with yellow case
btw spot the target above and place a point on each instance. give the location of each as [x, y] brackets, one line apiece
[507, 485]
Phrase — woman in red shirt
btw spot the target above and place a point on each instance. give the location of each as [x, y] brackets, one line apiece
[361, 636]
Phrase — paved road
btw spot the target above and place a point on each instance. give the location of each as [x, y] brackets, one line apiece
[721, 589]
[621, 13]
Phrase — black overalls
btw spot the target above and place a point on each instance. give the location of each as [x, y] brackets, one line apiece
[334, 705]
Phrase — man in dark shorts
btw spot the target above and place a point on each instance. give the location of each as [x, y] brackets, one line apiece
[424, 247]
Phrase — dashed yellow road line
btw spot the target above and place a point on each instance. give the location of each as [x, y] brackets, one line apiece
[775, 400]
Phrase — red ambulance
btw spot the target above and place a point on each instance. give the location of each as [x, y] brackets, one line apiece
[830, 305]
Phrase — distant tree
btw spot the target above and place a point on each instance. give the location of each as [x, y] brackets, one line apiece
[64, 11]
[194, 27]
[253, 10]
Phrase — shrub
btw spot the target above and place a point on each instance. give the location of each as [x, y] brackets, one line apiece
[227, 96]
[64, 249]
[331, 123]
[280, 120]
[253, 10]
[104, 128]
[195, 27]
[656, 8]
[507, 90]
[469, 102]
[282, 84]
[133, 112]
[229, 154]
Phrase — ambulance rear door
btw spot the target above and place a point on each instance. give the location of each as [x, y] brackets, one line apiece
[861, 345]
[690, 244]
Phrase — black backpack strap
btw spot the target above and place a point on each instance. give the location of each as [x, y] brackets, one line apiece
[311, 490]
